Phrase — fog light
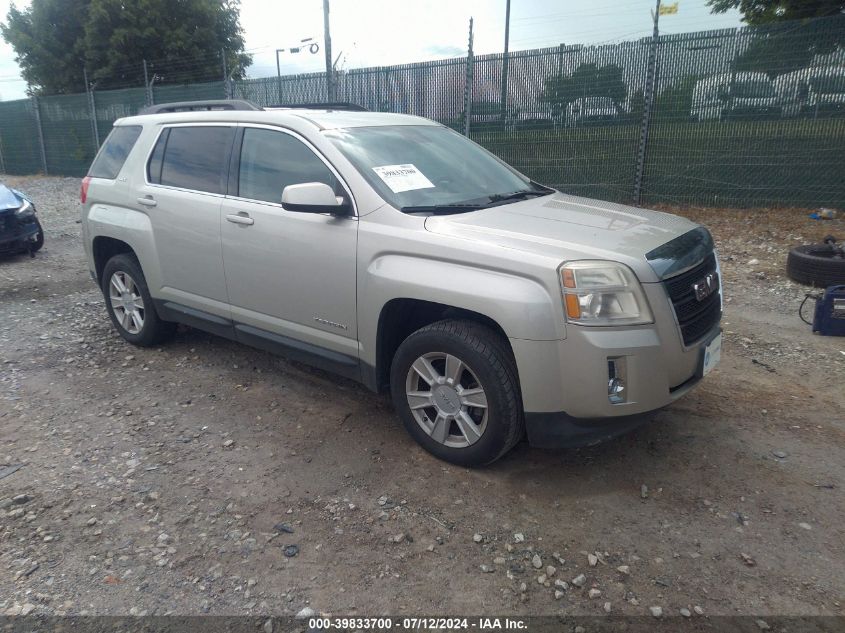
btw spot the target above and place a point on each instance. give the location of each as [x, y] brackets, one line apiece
[616, 375]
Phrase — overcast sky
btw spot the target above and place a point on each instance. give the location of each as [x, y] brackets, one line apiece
[381, 32]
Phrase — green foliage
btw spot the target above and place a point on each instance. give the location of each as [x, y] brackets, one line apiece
[588, 80]
[778, 51]
[756, 12]
[675, 102]
[47, 42]
[182, 40]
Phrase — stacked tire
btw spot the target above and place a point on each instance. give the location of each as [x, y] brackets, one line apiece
[819, 265]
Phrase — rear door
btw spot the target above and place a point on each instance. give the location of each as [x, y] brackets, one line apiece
[186, 176]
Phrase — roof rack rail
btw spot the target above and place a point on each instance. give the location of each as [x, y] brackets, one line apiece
[327, 105]
[197, 106]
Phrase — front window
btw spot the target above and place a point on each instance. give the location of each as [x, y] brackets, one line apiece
[271, 160]
[430, 168]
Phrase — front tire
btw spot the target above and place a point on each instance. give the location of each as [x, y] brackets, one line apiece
[38, 240]
[454, 385]
[129, 303]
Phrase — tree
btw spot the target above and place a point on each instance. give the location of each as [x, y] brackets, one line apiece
[756, 12]
[181, 39]
[588, 80]
[46, 39]
[779, 49]
[675, 101]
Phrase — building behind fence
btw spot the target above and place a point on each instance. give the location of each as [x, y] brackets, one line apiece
[737, 117]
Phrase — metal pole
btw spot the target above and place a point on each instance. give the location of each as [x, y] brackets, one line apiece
[560, 60]
[279, 73]
[505, 61]
[90, 94]
[468, 85]
[225, 74]
[37, 110]
[147, 96]
[648, 102]
[328, 45]
[2, 160]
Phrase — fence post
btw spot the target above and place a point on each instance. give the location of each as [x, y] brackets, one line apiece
[89, 93]
[648, 103]
[226, 90]
[468, 84]
[148, 93]
[37, 110]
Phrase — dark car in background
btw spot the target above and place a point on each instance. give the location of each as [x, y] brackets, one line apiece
[20, 230]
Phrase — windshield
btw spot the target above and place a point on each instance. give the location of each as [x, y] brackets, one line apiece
[752, 89]
[828, 85]
[414, 166]
[598, 102]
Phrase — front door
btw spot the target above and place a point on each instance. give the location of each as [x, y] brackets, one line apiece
[290, 275]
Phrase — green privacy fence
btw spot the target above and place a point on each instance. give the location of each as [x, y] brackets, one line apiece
[737, 117]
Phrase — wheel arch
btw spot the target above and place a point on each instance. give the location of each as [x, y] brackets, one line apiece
[400, 317]
[103, 249]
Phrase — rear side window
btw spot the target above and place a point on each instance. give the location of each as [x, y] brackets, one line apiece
[111, 157]
[270, 161]
[195, 158]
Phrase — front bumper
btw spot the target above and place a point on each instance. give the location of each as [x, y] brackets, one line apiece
[560, 430]
[565, 383]
[17, 238]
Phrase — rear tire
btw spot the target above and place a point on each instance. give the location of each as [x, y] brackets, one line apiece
[462, 380]
[130, 305]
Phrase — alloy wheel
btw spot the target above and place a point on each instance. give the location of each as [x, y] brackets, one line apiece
[126, 302]
[447, 399]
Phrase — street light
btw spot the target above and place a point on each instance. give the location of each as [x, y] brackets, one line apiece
[313, 48]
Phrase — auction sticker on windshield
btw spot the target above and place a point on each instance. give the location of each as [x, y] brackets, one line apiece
[402, 177]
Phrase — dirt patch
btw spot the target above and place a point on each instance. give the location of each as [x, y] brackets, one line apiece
[178, 479]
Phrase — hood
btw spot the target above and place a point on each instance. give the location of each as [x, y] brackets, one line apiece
[10, 199]
[568, 227]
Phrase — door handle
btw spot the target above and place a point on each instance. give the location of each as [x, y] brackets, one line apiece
[147, 201]
[240, 219]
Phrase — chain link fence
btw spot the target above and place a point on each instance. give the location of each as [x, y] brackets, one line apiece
[738, 117]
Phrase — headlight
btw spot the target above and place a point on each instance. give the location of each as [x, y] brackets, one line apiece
[26, 210]
[602, 293]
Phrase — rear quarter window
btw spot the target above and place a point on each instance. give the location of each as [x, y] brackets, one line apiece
[113, 154]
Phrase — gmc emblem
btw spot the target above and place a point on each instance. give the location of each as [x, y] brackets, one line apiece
[705, 287]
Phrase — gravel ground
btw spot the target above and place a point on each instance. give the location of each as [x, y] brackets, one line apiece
[206, 477]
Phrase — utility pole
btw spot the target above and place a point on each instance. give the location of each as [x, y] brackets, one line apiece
[505, 60]
[327, 42]
[279, 73]
[648, 101]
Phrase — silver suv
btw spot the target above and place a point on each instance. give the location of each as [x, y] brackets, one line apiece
[394, 251]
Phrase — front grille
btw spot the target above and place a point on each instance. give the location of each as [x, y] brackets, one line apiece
[696, 318]
[8, 225]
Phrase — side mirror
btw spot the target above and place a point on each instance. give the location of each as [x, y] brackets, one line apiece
[313, 197]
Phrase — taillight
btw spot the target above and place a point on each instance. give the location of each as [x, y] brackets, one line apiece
[83, 192]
